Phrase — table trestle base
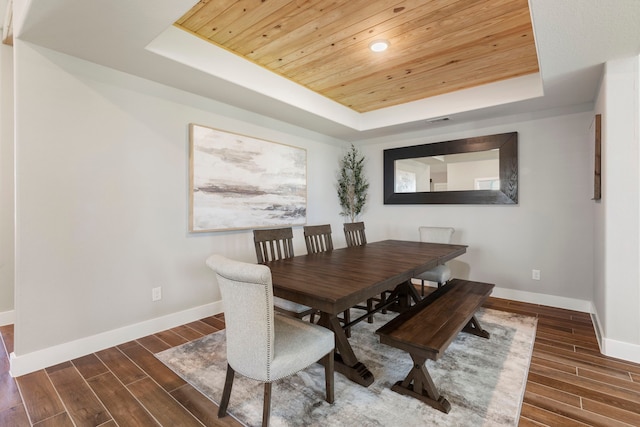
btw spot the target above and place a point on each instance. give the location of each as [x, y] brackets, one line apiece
[357, 373]
[346, 361]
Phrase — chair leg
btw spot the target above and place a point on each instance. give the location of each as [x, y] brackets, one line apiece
[226, 392]
[383, 300]
[328, 375]
[266, 409]
[422, 287]
[347, 318]
[369, 309]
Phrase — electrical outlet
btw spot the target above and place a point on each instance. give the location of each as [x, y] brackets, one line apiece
[156, 294]
[535, 274]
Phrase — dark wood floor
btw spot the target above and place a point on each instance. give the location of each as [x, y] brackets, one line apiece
[569, 382]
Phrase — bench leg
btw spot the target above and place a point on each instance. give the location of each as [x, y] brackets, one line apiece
[418, 384]
[473, 327]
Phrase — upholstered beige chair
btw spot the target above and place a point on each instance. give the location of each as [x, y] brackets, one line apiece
[272, 245]
[260, 345]
[441, 273]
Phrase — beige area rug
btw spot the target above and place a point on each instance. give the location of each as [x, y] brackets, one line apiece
[484, 380]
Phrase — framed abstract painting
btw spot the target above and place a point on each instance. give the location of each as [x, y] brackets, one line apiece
[240, 182]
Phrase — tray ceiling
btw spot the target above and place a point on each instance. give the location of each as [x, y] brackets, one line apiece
[436, 47]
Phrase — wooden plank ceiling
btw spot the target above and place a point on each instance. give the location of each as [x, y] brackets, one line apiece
[436, 46]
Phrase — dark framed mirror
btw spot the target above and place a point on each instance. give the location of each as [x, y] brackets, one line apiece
[478, 170]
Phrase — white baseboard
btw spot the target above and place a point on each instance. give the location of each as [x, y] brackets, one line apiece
[609, 347]
[621, 350]
[534, 298]
[30, 362]
[613, 348]
[595, 319]
[544, 299]
[7, 318]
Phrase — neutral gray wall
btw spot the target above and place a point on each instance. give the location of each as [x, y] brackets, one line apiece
[550, 229]
[617, 225]
[102, 198]
[6, 185]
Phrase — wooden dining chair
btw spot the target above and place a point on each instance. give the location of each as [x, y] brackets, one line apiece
[318, 239]
[355, 236]
[272, 245]
[261, 346]
[354, 233]
[439, 274]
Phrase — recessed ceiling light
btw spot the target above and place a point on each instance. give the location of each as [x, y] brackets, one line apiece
[379, 45]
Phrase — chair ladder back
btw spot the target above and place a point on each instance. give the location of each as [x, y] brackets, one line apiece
[354, 234]
[273, 244]
[318, 238]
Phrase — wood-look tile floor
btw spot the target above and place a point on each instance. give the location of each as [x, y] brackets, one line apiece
[570, 383]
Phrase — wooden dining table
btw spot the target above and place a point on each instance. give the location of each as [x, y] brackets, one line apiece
[338, 280]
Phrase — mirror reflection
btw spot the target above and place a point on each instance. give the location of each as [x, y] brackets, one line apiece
[476, 170]
[451, 172]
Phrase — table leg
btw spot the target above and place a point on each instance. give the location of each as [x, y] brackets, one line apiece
[404, 293]
[413, 292]
[346, 361]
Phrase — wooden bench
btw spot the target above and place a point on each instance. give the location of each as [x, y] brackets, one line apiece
[426, 330]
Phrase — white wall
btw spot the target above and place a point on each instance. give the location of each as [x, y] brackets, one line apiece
[599, 221]
[617, 226]
[421, 174]
[102, 204]
[550, 229]
[463, 175]
[6, 186]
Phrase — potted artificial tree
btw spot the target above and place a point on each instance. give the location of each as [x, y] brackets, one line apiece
[352, 184]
